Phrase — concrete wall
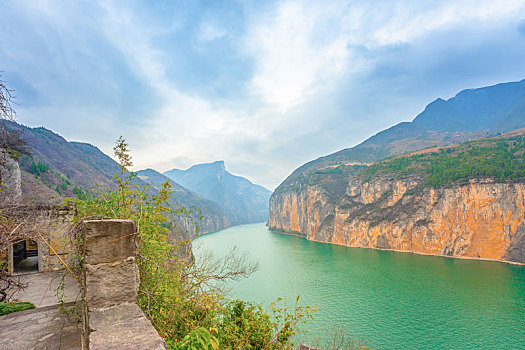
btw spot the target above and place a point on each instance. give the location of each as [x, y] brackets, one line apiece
[111, 317]
[53, 223]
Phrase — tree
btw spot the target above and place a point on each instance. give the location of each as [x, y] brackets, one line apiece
[13, 225]
[10, 138]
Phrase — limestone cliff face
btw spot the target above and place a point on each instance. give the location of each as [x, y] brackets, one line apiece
[481, 219]
[11, 180]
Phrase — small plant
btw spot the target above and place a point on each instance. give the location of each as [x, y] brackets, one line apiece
[198, 339]
[7, 308]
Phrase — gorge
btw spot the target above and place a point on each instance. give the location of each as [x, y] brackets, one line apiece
[398, 191]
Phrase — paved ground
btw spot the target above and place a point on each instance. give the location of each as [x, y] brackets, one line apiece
[42, 287]
[44, 327]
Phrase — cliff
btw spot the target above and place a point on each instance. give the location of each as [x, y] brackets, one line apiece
[10, 180]
[475, 209]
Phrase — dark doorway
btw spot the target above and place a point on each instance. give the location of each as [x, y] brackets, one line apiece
[25, 256]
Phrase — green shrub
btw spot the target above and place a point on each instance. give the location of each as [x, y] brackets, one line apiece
[7, 308]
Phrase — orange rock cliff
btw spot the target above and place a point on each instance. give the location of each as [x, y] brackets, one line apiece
[478, 220]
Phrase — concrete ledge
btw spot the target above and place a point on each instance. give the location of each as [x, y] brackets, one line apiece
[122, 327]
[111, 319]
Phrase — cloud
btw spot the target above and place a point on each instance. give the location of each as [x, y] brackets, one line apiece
[290, 65]
[210, 31]
[266, 86]
[521, 27]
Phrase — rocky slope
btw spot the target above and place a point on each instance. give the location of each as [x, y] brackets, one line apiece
[476, 209]
[244, 201]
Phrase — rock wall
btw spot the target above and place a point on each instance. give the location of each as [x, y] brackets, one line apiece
[49, 226]
[10, 180]
[479, 220]
[111, 317]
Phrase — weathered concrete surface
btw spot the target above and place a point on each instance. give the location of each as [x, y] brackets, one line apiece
[41, 288]
[109, 240]
[43, 328]
[111, 284]
[123, 327]
[111, 318]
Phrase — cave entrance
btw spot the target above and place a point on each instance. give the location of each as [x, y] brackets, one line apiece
[25, 256]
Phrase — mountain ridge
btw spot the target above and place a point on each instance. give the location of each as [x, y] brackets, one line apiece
[247, 202]
[68, 167]
[507, 113]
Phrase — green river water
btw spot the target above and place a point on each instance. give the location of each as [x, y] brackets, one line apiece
[391, 300]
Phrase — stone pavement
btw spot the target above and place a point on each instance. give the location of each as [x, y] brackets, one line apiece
[41, 288]
[44, 327]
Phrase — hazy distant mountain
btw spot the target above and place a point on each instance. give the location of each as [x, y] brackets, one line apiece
[498, 108]
[246, 201]
[214, 217]
[471, 114]
[70, 166]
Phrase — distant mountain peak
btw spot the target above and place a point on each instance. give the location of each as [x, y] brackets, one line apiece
[219, 164]
[248, 202]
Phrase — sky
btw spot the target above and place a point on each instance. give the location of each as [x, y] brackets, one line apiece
[263, 85]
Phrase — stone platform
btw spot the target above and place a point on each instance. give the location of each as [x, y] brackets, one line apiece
[44, 328]
[41, 288]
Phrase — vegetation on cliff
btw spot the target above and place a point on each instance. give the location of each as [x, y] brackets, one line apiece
[500, 159]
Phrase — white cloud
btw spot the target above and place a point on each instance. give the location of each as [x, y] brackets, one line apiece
[300, 47]
[304, 55]
[209, 31]
[391, 22]
[290, 63]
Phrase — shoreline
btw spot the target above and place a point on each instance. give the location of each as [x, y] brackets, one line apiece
[399, 250]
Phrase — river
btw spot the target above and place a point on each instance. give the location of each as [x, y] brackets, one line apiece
[392, 300]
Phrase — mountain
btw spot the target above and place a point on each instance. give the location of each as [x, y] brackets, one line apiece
[498, 108]
[461, 201]
[214, 218]
[471, 114]
[432, 196]
[245, 201]
[59, 168]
